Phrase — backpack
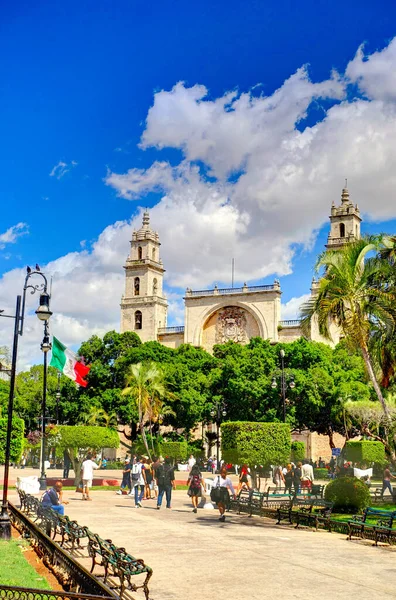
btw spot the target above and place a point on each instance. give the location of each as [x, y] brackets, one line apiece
[195, 482]
[135, 472]
[164, 475]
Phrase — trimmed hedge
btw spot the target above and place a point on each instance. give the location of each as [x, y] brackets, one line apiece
[349, 494]
[365, 451]
[175, 450]
[321, 473]
[255, 443]
[297, 451]
[17, 439]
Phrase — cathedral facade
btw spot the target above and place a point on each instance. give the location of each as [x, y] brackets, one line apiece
[218, 315]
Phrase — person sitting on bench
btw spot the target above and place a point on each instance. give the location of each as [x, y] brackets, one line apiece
[53, 499]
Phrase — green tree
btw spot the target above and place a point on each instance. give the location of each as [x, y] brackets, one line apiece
[347, 297]
[146, 389]
[17, 432]
[78, 440]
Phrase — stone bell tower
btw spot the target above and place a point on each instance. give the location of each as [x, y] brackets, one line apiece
[143, 307]
[344, 222]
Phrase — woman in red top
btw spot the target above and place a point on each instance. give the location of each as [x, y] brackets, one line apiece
[244, 479]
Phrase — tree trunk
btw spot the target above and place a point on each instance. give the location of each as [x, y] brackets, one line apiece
[331, 438]
[76, 464]
[370, 370]
[144, 438]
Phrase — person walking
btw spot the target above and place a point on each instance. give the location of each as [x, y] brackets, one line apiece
[245, 479]
[148, 476]
[221, 484]
[297, 478]
[53, 498]
[191, 462]
[278, 478]
[138, 480]
[165, 476]
[87, 470]
[195, 484]
[288, 479]
[386, 481]
[66, 464]
[126, 477]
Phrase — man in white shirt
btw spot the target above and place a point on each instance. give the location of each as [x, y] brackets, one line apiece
[191, 462]
[307, 473]
[88, 467]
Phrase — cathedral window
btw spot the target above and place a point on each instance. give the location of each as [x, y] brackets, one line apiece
[140, 253]
[155, 287]
[342, 230]
[138, 319]
[137, 286]
[153, 254]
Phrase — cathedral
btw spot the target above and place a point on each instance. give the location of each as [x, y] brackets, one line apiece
[218, 315]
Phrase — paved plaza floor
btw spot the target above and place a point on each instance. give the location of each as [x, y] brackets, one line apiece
[196, 556]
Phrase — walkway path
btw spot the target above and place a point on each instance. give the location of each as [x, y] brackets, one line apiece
[195, 556]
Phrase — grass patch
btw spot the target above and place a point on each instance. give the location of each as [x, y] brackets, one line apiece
[348, 517]
[15, 569]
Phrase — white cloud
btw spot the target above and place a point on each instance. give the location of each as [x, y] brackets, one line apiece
[291, 309]
[12, 234]
[62, 168]
[253, 182]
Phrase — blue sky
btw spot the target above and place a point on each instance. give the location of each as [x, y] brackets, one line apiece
[77, 84]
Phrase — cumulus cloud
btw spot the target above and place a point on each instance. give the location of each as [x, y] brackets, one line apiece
[255, 181]
[62, 168]
[291, 309]
[12, 234]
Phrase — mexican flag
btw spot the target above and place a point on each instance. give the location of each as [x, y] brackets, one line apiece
[69, 363]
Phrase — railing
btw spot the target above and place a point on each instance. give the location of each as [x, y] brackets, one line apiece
[177, 329]
[240, 290]
[290, 323]
[20, 593]
[340, 240]
[58, 560]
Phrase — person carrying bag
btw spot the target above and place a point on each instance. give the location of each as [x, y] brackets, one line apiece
[219, 492]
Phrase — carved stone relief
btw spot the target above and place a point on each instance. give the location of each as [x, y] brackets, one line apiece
[231, 325]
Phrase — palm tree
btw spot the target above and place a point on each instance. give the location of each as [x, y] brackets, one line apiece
[348, 296]
[145, 385]
[98, 416]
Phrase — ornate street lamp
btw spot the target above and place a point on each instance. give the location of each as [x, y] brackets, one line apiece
[218, 412]
[284, 383]
[43, 312]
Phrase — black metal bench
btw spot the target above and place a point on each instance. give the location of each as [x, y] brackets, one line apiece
[117, 562]
[379, 531]
[309, 511]
[317, 490]
[241, 502]
[304, 511]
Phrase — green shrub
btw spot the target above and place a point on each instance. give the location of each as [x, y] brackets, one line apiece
[175, 450]
[114, 464]
[255, 443]
[349, 494]
[297, 451]
[17, 439]
[366, 452]
[320, 473]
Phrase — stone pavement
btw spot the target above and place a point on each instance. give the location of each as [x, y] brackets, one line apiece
[243, 558]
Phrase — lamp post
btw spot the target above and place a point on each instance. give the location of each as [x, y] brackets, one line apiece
[58, 397]
[43, 313]
[217, 413]
[45, 348]
[284, 382]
